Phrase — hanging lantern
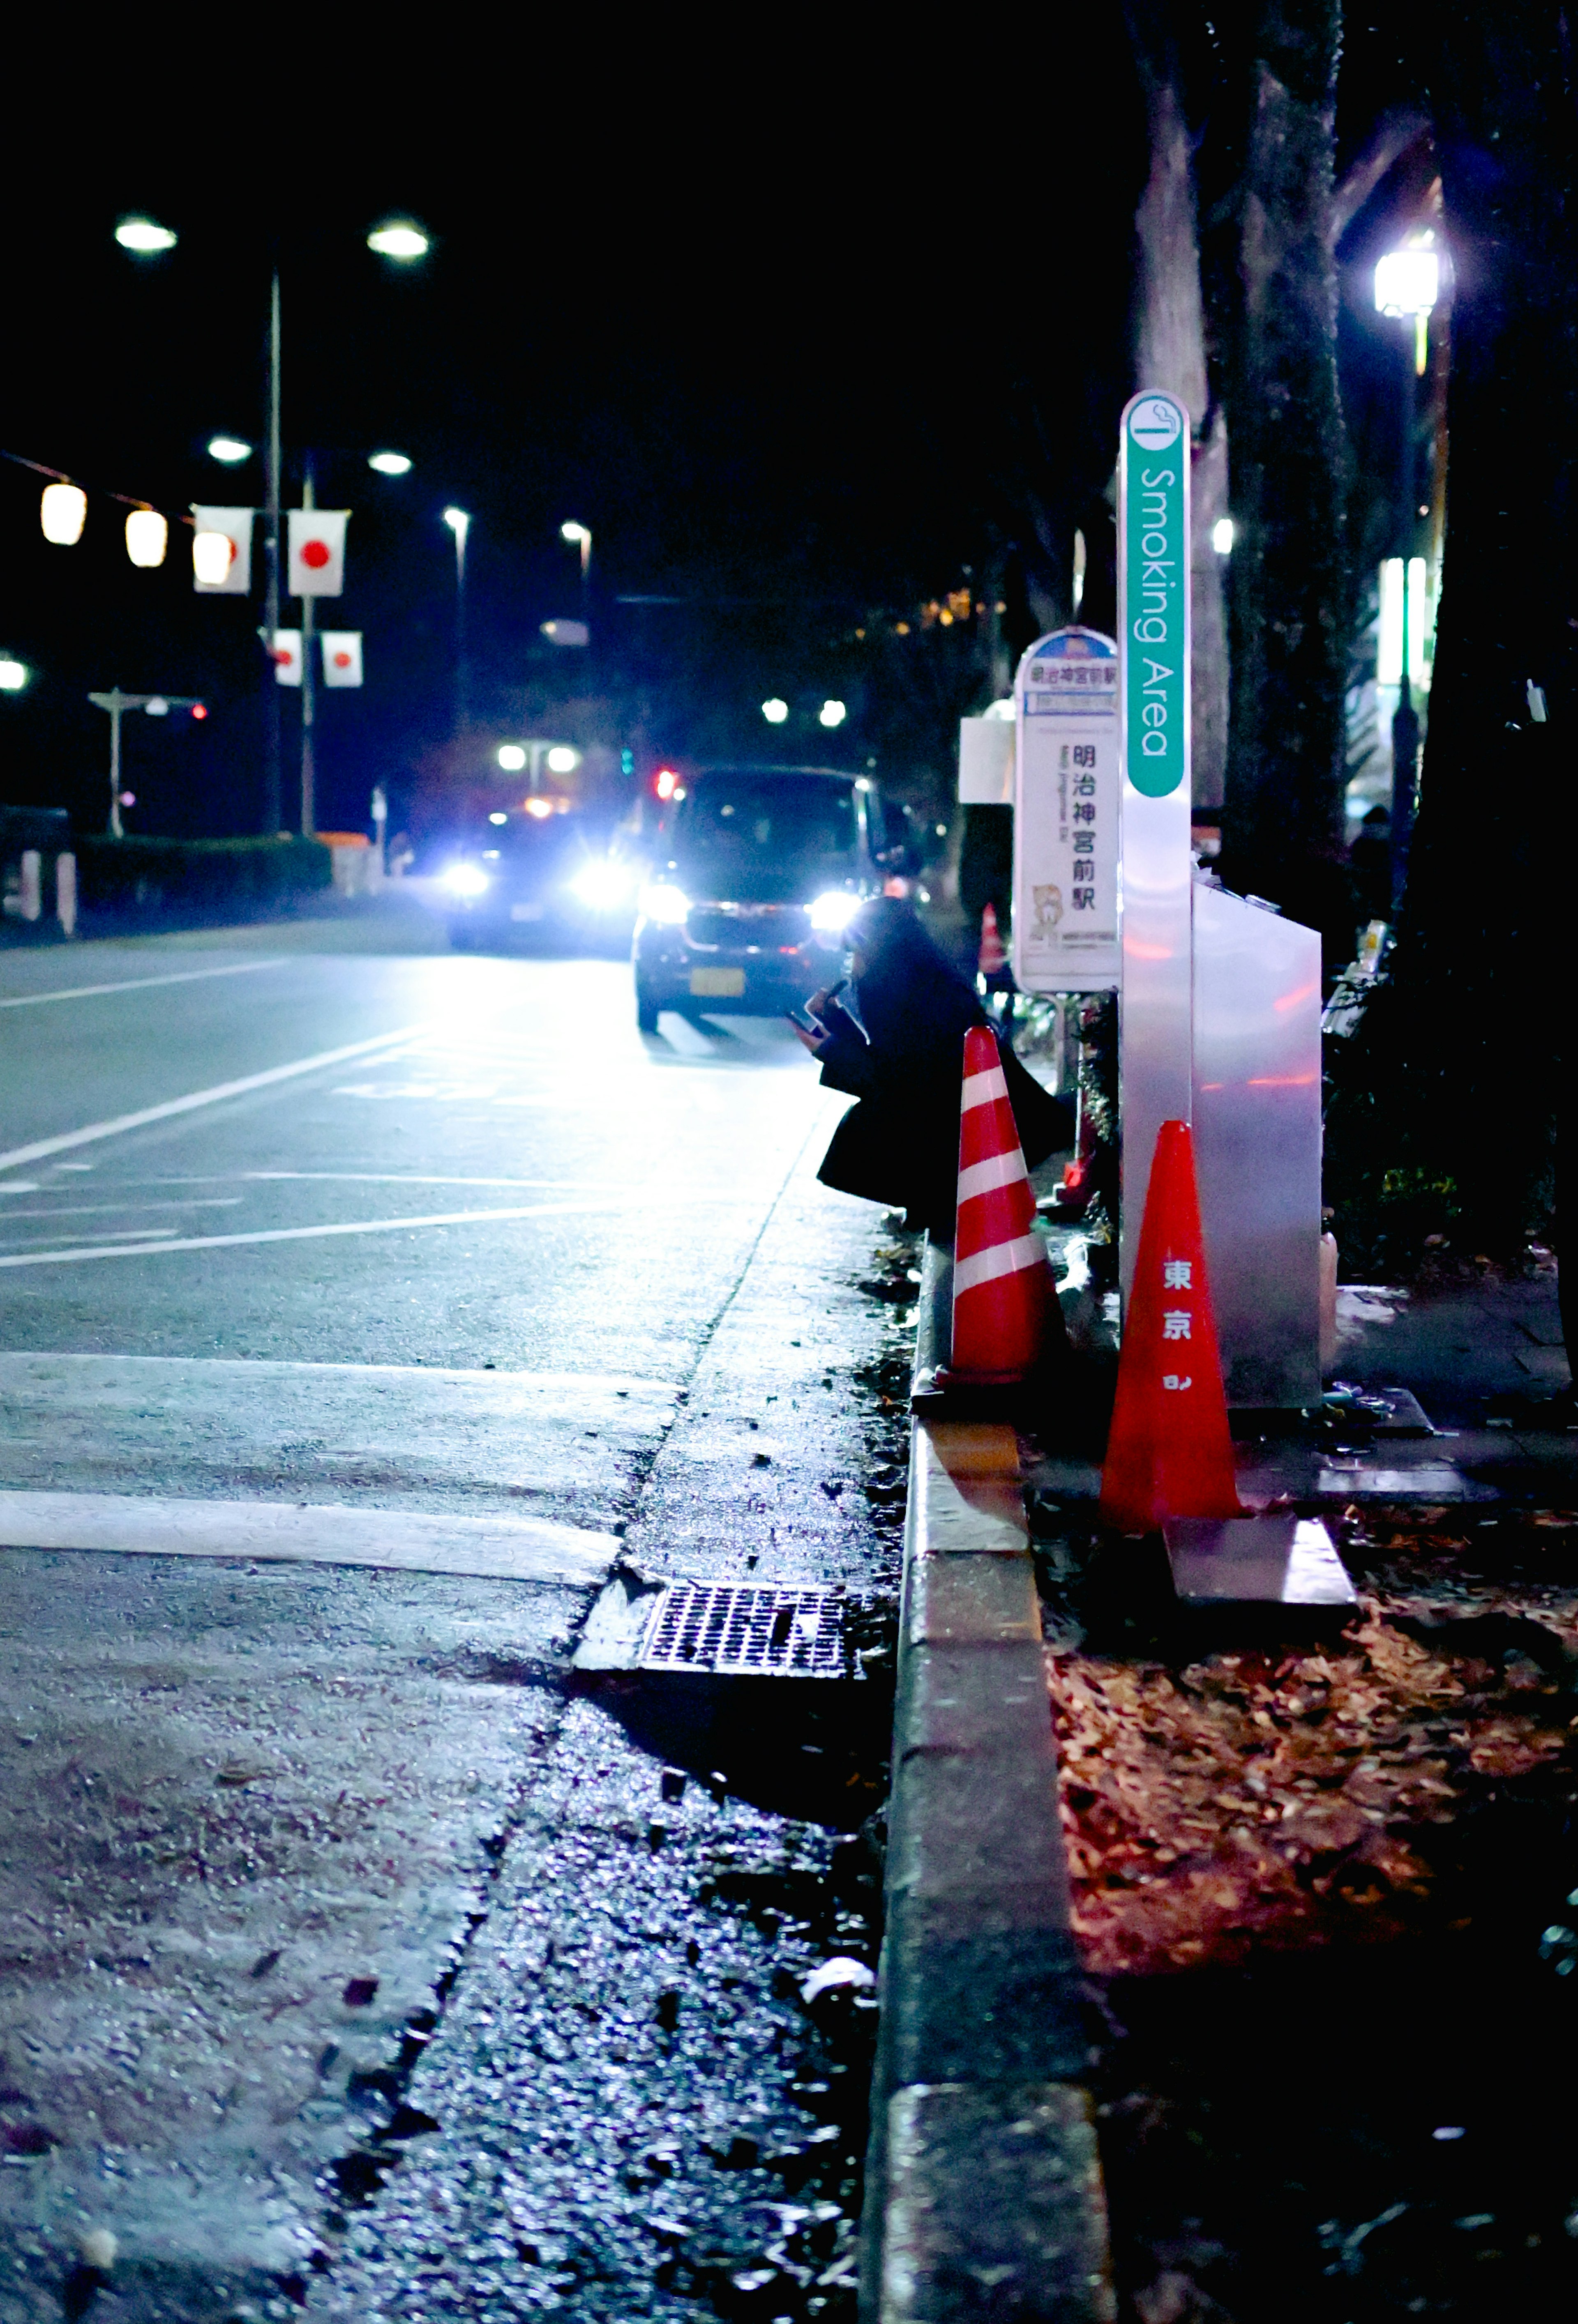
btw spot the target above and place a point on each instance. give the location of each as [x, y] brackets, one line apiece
[63, 513]
[147, 535]
[213, 554]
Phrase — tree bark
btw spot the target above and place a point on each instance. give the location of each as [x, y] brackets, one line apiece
[1470, 1054]
[1169, 352]
[1285, 767]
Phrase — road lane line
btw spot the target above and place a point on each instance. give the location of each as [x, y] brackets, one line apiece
[368, 1226]
[409, 1541]
[138, 983]
[96, 1129]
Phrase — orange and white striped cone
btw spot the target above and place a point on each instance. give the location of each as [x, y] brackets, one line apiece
[992, 958]
[1001, 1282]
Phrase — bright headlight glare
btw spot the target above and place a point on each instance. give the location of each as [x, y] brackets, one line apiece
[601, 886]
[833, 911]
[466, 880]
[668, 906]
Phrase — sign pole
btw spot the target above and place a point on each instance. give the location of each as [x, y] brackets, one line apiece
[1154, 1057]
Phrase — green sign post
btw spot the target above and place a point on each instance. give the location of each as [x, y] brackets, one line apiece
[1155, 869]
[1155, 556]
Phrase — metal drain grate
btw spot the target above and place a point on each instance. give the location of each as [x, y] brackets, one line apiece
[743, 1631]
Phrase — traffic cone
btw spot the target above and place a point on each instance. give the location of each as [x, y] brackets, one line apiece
[992, 958]
[1001, 1279]
[1168, 1451]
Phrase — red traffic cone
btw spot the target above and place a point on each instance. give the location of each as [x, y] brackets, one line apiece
[1001, 1279]
[1168, 1451]
[992, 958]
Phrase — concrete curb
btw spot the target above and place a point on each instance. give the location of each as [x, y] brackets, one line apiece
[984, 2188]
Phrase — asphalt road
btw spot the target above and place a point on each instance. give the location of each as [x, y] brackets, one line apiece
[360, 1302]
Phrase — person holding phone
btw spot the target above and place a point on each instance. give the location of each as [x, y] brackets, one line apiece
[898, 1049]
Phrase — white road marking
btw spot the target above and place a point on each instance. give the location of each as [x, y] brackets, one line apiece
[400, 1178]
[115, 1210]
[137, 983]
[366, 1226]
[513, 1549]
[172, 1106]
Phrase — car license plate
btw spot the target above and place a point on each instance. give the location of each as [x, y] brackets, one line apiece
[525, 911]
[718, 984]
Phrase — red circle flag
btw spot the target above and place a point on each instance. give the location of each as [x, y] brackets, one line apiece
[316, 554]
[341, 660]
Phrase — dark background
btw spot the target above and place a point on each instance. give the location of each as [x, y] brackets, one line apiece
[807, 351]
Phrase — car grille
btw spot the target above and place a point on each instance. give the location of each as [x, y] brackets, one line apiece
[769, 926]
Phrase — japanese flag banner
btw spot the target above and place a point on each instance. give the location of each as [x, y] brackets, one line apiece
[286, 654]
[234, 525]
[316, 563]
[342, 657]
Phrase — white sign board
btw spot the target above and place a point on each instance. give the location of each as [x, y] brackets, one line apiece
[1066, 815]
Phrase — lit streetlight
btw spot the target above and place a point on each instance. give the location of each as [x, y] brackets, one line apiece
[229, 449]
[579, 537]
[399, 239]
[390, 464]
[13, 675]
[1408, 285]
[458, 521]
[511, 758]
[143, 236]
[832, 714]
[775, 710]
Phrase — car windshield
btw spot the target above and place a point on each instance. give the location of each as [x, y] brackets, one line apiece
[761, 819]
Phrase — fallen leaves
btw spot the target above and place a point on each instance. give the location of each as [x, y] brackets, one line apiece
[1256, 1800]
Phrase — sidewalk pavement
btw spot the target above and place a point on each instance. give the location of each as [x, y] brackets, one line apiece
[984, 2191]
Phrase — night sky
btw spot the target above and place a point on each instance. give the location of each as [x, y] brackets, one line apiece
[798, 368]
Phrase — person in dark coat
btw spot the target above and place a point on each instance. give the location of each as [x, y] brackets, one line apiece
[900, 1051]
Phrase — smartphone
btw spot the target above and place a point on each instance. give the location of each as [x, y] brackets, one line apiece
[804, 1022]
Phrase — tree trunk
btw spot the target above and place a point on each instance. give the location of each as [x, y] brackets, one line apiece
[1285, 770]
[1465, 1056]
[1169, 352]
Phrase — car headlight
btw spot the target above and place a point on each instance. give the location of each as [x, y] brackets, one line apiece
[466, 880]
[833, 910]
[668, 906]
[601, 886]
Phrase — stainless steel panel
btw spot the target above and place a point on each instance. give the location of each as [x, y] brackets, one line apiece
[1257, 1115]
[1153, 1006]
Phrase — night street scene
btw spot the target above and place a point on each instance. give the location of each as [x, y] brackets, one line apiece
[788, 1481]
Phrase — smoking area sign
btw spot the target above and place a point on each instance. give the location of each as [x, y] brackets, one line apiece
[1155, 557]
[1066, 827]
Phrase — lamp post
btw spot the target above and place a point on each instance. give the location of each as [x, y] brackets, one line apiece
[459, 523]
[400, 240]
[1408, 281]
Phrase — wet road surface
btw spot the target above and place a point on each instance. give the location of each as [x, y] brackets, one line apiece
[359, 1308]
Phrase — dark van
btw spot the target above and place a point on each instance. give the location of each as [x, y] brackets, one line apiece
[758, 872]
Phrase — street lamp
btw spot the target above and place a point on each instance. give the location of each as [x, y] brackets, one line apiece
[458, 521]
[229, 449]
[511, 758]
[398, 238]
[390, 464]
[775, 710]
[579, 537]
[142, 235]
[12, 676]
[1407, 285]
[832, 714]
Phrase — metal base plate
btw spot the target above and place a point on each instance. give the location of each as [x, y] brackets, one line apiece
[1275, 1561]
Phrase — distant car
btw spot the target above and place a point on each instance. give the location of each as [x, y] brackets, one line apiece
[758, 872]
[539, 872]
